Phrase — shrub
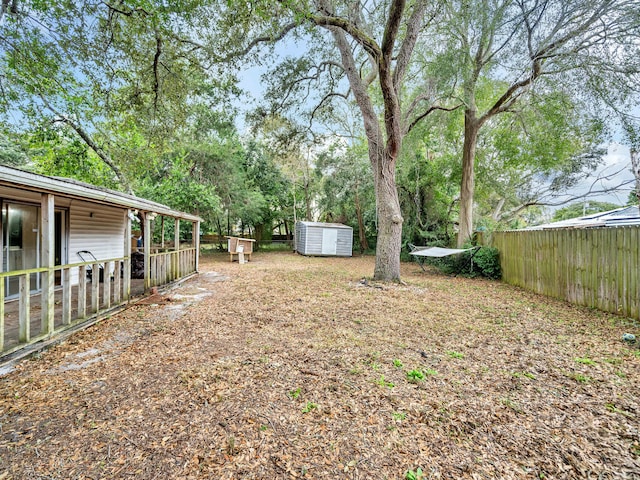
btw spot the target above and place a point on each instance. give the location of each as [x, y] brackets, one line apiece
[484, 262]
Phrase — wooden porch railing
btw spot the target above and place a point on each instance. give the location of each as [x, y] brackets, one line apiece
[92, 298]
[168, 266]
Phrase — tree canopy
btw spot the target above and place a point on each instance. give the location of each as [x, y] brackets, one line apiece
[410, 121]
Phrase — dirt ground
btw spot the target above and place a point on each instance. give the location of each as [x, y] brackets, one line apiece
[295, 367]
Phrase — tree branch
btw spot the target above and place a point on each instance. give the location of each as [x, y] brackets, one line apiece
[431, 110]
[258, 40]
[414, 26]
[86, 137]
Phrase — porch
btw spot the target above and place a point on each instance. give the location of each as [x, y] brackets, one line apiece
[25, 318]
[67, 252]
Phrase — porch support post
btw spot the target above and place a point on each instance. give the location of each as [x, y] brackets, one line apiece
[126, 272]
[162, 229]
[176, 246]
[47, 242]
[147, 251]
[196, 244]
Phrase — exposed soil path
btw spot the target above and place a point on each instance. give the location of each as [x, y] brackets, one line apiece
[294, 367]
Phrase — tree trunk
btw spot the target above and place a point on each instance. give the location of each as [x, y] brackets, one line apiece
[307, 199]
[389, 218]
[635, 166]
[467, 186]
[258, 230]
[364, 245]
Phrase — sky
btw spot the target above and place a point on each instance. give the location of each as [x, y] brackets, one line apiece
[614, 175]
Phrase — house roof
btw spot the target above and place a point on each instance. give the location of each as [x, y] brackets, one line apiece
[73, 188]
[612, 218]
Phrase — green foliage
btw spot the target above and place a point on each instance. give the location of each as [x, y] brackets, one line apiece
[580, 378]
[580, 209]
[384, 383]
[414, 475]
[415, 376]
[178, 187]
[294, 394]
[585, 361]
[399, 416]
[12, 154]
[454, 354]
[309, 406]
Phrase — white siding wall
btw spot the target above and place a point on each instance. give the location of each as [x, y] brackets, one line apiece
[97, 228]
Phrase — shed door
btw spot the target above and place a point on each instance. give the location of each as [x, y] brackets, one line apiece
[329, 241]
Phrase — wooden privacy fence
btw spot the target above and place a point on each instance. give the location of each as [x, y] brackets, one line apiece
[595, 267]
[31, 317]
[171, 265]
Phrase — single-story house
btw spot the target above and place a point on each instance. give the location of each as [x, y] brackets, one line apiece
[67, 250]
[620, 217]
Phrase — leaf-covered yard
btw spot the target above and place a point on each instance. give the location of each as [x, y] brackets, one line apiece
[293, 367]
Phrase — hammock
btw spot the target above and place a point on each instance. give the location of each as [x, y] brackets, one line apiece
[437, 252]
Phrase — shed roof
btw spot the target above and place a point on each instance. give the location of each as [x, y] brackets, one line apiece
[612, 218]
[325, 225]
[68, 187]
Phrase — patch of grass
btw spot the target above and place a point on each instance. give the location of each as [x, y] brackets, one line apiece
[294, 394]
[399, 416]
[415, 376]
[614, 360]
[585, 361]
[613, 409]
[580, 378]
[231, 445]
[507, 402]
[454, 354]
[309, 406]
[414, 475]
[383, 383]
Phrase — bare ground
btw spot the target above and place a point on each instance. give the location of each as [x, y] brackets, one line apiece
[293, 367]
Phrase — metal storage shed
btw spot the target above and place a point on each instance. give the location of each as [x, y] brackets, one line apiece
[324, 239]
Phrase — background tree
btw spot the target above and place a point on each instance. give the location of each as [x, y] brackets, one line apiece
[347, 193]
[580, 209]
[523, 43]
[119, 75]
[635, 168]
[375, 46]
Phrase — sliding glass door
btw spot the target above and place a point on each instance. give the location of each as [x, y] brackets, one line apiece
[21, 243]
